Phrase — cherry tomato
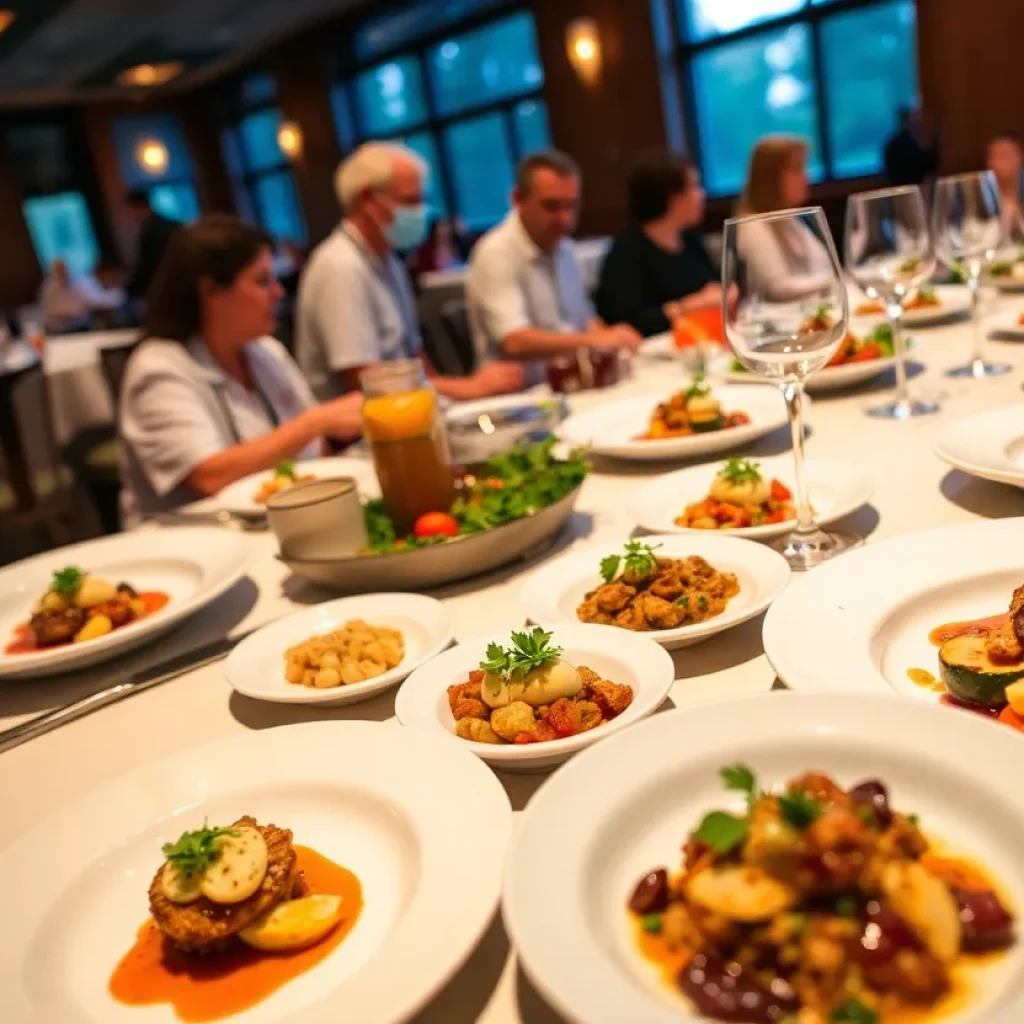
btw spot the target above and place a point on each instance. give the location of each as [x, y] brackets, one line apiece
[780, 492]
[435, 524]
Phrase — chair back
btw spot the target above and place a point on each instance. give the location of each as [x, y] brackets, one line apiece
[454, 316]
[113, 362]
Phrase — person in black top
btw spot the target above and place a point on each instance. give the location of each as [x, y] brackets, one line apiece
[909, 160]
[155, 232]
[658, 269]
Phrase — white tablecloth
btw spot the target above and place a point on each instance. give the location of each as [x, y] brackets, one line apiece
[914, 490]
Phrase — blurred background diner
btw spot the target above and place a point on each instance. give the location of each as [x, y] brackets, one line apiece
[549, 185]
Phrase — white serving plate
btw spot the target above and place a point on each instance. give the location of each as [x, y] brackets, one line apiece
[570, 926]
[255, 668]
[239, 498]
[415, 818]
[610, 428]
[1006, 323]
[551, 595]
[835, 489]
[989, 445]
[632, 660]
[193, 564]
[955, 302]
[861, 622]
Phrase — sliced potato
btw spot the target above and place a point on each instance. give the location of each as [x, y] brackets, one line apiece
[294, 924]
[180, 888]
[96, 626]
[924, 901]
[745, 894]
[95, 591]
[239, 869]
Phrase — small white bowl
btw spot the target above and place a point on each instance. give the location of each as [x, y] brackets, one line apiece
[552, 594]
[619, 657]
[255, 667]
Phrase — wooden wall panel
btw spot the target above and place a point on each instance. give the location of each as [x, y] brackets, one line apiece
[20, 273]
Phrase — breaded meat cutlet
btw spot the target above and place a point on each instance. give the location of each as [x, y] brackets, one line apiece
[205, 926]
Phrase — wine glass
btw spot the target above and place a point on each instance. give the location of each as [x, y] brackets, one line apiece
[888, 254]
[968, 228]
[789, 317]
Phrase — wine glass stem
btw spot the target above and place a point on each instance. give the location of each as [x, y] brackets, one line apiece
[895, 312]
[979, 340]
[793, 392]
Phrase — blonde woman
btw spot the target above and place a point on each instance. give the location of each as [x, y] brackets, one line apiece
[785, 259]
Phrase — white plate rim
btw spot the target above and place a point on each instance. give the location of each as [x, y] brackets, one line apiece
[638, 499]
[354, 692]
[706, 543]
[604, 996]
[509, 755]
[234, 547]
[367, 992]
[1000, 472]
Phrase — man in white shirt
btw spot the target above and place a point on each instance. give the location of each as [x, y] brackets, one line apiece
[355, 304]
[525, 291]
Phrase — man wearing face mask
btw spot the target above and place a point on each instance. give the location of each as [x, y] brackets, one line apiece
[355, 304]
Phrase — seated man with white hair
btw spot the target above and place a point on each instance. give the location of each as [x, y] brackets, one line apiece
[355, 304]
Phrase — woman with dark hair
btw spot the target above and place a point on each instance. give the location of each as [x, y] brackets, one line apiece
[658, 269]
[209, 396]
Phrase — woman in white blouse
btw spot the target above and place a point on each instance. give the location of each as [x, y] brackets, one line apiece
[209, 396]
[784, 259]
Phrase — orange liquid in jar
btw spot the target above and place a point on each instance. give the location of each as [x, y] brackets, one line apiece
[409, 445]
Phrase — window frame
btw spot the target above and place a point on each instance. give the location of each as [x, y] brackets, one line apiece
[435, 124]
[810, 14]
[235, 109]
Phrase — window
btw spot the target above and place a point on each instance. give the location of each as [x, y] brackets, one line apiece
[55, 206]
[171, 187]
[263, 182]
[469, 103]
[834, 73]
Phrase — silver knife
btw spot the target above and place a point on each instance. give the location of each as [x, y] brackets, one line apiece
[141, 680]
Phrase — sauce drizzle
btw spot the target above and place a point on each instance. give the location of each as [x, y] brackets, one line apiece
[974, 627]
[207, 988]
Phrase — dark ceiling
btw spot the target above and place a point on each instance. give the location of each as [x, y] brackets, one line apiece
[59, 51]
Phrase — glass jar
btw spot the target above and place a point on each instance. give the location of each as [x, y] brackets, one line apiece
[405, 429]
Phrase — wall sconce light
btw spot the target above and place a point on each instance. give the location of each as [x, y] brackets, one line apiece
[152, 156]
[147, 75]
[583, 45]
[289, 138]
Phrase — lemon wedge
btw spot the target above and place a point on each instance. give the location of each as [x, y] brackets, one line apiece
[294, 924]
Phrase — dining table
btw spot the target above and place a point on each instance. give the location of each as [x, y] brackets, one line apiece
[913, 491]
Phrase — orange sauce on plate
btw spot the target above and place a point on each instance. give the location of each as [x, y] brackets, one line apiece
[975, 627]
[925, 679]
[206, 988]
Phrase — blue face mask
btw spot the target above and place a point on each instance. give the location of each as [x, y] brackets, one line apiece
[408, 228]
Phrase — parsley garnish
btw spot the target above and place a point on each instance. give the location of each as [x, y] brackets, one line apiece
[798, 809]
[740, 778]
[722, 832]
[68, 581]
[528, 651]
[639, 559]
[285, 468]
[651, 923]
[913, 820]
[698, 388]
[195, 851]
[853, 1011]
[683, 601]
[702, 603]
[738, 471]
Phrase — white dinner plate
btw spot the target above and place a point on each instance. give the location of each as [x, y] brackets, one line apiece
[239, 498]
[989, 445]
[612, 428]
[552, 594]
[954, 302]
[194, 565]
[255, 667]
[625, 807]
[631, 660]
[861, 622]
[1006, 324]
[421, 823]
[835, 489]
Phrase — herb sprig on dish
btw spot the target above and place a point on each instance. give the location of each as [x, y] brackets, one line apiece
[286, 469]
[68, 581]
[638, 559]
[739, 471]
[527, 652]
[195, 851]
[699, 388]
